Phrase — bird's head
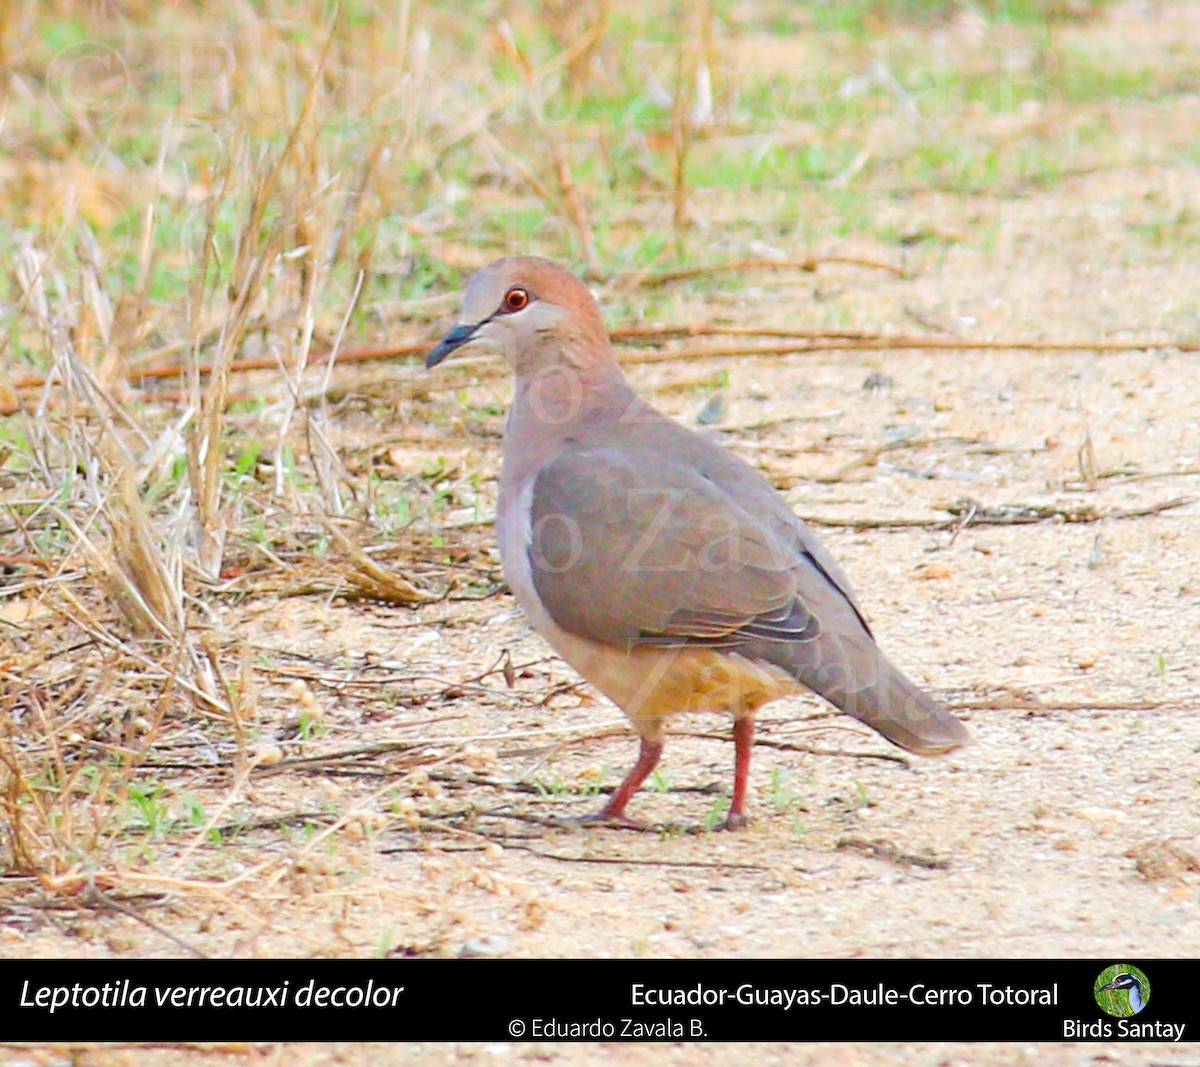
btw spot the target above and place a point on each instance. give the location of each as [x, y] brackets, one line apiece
[533, 312]
[1124, 980]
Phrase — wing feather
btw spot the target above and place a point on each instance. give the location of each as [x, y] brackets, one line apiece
[628, 554]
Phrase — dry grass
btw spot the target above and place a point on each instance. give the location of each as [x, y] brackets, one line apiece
[204, 206]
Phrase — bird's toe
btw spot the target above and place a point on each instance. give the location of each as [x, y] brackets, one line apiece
[605, 818]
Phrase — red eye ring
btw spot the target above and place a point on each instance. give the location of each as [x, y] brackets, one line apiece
[516, 299]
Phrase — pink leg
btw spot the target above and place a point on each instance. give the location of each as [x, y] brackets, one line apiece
[743, 744]
[614, 810]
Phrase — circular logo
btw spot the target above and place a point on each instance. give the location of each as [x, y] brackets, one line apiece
[1122, 990]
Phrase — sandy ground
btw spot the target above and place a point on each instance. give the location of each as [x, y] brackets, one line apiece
[770, 1055]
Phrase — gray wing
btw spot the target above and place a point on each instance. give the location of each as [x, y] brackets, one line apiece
[648, 433]
[759, 497]
[629, 551]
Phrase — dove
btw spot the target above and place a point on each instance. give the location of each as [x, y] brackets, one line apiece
[664, 569]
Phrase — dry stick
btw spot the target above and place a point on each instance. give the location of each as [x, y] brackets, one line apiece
[999, 704]
[824, 342]
[878, 344]
[139, 593]
[702, 329]
[1021, 519]
[327, 463]
[140, 578]
[361, 355]
[527, 174]
[68, 884]
[629, 861]
[791, 746]
[619, 334]
[563, 28]
[203, 433]
[303, 122]
[376, 796]
[889, 852]
[645, 279]
[253, 259]
[588, 732]
[97, 898]
[821, 341]
[205, 1048]
[376, 580]
[682, 134]
[872, 456]
[1137, 476]
[574, 207]
[101, 636]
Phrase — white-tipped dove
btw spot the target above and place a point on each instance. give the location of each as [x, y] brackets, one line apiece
[666, 571]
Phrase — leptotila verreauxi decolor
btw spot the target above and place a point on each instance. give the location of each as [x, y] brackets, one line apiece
[666, 571]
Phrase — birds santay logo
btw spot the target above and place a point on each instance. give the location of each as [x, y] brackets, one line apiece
[1122, 990]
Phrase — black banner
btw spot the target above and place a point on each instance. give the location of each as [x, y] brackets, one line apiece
[599, 1000]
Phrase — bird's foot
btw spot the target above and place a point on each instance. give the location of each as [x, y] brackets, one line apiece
[613, 820]
[735, 821]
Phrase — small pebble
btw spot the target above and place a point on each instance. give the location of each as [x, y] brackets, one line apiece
[266, 755]
[713, 411]
[488, 945]
[932, 572]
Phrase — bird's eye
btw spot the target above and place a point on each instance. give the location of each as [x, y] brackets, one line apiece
[515, 299]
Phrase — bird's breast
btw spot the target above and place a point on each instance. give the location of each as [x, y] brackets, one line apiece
[647, 683]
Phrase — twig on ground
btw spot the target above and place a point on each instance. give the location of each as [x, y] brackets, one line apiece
[883, 343]
[633, 861]
[807, 342]
[645, 279]
[882, 849]
[95, 897]
[375, 581]
[1009, 515]
[789, 746]
[624, 334]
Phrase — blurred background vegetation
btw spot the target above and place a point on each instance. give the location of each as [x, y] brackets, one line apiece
[413, 140]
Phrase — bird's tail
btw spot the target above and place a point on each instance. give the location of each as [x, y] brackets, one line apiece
[910, 718]
[862, 682]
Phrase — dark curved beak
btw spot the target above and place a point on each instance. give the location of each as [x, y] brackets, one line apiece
[455, 339]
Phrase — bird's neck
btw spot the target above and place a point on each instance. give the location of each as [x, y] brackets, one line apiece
[558, 402]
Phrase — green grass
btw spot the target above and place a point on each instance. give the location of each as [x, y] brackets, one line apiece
[1083, 78]
[716, 813]
[1170, 230]
[859, 18]
[147, 811]
[555, 787]
[620, 104]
